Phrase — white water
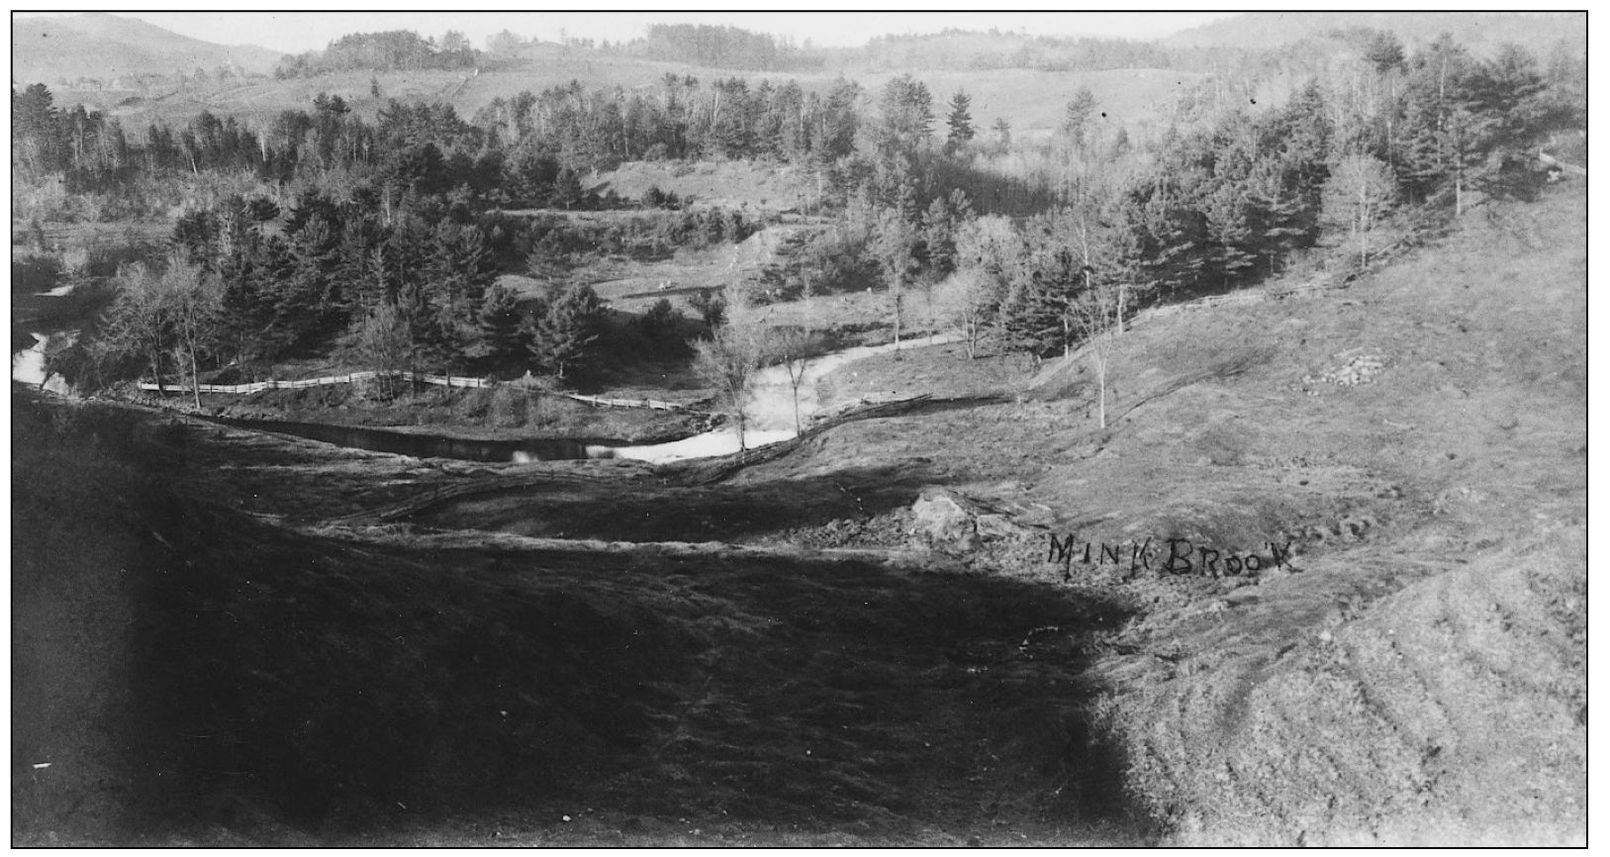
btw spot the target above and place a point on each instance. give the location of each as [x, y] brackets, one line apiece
[771, 410]
[28, 365]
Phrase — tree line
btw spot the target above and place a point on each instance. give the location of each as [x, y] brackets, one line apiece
[1229, 202]
[391, 229]
[394, 50]
[722, 47]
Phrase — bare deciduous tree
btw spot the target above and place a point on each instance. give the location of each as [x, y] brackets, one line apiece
[1097, 314]
[139, 323]
[195, 304]
[966, 300]
[728, 360]
[895, 243]
[795, 347]
[384, 340]
[1359, 189]
[175, 313]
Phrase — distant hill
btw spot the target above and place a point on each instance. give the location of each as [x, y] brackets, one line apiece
[974, 50]
[1480, 31]
[1032, 101]
[108, 47]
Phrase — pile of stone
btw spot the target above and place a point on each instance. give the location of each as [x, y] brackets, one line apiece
[1360, 370]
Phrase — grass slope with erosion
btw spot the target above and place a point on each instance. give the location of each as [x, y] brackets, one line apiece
[1420, 439]
[199, 658]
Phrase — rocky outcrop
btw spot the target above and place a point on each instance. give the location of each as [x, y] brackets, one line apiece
[946, 520]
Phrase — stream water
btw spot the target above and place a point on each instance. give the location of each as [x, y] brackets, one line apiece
[28, 365]
[433, 445]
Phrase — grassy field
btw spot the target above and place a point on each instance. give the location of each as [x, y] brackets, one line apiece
[1033, 101]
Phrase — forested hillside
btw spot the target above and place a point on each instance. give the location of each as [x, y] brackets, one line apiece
[322, 225]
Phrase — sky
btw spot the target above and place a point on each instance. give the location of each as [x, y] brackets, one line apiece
[295, 32]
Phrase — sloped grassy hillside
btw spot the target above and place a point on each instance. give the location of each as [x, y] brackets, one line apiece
[189, 674]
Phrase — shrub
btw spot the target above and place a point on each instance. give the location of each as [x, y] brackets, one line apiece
[711, 305]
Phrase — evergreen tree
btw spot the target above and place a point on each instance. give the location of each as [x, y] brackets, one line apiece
[1229, 233]
[311, 298]
[959, 122]
[1507, 89]
[567, 329]
[567, 190]
[499, 322]
[905, 113]
[35, 130]
[1076, 119]
[1384, 52]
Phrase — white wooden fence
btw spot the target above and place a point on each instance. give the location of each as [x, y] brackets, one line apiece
[654, 404]
[438, 380]
[260, 386]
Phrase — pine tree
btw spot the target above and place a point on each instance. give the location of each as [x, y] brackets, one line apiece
[1507, 90]
[959, 122]
[938, 238]
[567, 329]
[36, 131]
[1384, 52]
[567, 190]
[906, 114]
[1229, 232]
[1076, 119]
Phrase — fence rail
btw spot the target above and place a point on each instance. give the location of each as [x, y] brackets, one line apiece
[260, 386]
[439, 380]
[654, 404]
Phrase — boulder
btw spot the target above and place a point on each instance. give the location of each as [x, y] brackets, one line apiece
[944, 520]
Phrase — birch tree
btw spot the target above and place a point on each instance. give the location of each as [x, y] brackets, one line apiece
[1358, 191]
[728, 361]
[795, 347]
[194, 302]
[1098, 314]
[157, 316]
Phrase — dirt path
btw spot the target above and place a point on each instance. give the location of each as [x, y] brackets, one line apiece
[771, 409]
